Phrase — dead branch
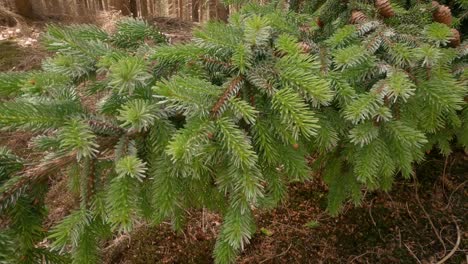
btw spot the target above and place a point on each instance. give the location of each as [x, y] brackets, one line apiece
[360, 256]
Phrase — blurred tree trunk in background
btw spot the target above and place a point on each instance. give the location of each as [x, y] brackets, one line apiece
[172, 7]
[212, 9]
[181, 8]
[123, 6]
[24, 8]
[133, 8]
[189, 10]
[144, 8]
[195, 10]
[223, 11]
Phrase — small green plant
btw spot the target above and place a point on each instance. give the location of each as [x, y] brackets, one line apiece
[266, 232]
[312, 224]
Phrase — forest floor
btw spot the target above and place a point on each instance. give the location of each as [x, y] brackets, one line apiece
[416, 222]
[421, 220]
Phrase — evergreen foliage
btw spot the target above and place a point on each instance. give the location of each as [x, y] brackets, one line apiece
[226, 121]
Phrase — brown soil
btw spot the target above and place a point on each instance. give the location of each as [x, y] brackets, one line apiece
[178, 31]
[387, 228]
[8, 18]
[60, 202]
[19, 42]
[18, 143]
[14, 57]
[162, 245]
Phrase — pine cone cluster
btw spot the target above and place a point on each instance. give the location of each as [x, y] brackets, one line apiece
[385, 8]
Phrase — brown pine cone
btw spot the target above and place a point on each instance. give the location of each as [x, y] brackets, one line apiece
[455, 40]
[385, 8]
[320, 23]
[357, 17]
[443, 15]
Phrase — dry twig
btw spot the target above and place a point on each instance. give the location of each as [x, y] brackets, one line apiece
[412, 253]
[455, 248]
[277, 256]
[360, 256]
[454, 191]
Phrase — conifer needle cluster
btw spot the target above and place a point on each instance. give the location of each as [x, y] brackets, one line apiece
[225, 121]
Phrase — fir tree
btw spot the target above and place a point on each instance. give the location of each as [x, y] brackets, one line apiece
[226, 121]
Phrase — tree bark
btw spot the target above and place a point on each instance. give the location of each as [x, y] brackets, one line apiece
[181, 9]
[24, 8]
[212, 9]
[144, 7]
[123, 6]
[134, 8]
[195, 10]
[172, 8]
[100, 5]
[223, 11]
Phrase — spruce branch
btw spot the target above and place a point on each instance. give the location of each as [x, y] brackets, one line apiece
[103, 127]
[232, 118]
[36, 115]
[31, 175]
[25, 179]
[294, 113]
[233, 87]
[210, 60]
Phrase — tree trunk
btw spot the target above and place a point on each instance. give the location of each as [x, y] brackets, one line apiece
[223, 11]
[24, 8]
[181, 9]
[100, 5]
[151, 10]
[123, 6]
[57, 5]
[195, 10]
[144, 7]
[134, 8]
[212, 9]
